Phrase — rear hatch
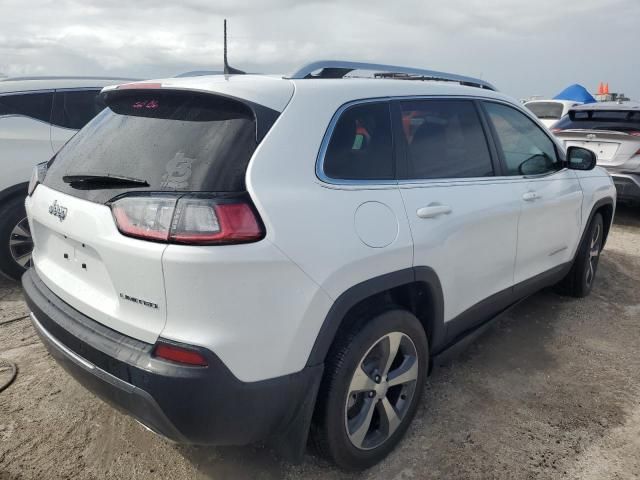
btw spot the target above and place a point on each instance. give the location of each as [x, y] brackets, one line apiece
[614, 135]
[146, 144]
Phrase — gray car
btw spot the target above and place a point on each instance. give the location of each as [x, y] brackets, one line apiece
[612, 131]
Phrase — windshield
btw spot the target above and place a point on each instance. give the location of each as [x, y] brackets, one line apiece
[615, 120]
[167, 141]
[545, 110]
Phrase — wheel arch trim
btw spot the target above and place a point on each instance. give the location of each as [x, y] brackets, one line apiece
[603, 202]
[371, 287]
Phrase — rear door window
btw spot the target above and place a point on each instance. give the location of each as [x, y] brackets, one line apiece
[173, 141]
[33, 105]
[75, 108]
[361, 145]
[444, 139]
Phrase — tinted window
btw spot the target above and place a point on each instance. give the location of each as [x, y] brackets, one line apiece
[545, 110]
[174, 142]
[444, 139]
[361, 146]
[34, 105]
[618, 120]
[521, 140]
[74, 109]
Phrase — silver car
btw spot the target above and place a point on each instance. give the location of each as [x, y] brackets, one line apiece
[612, 131]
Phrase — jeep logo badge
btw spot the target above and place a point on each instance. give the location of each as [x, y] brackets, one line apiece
[58, 210]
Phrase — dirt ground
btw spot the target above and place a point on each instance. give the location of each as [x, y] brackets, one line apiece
[551, 390]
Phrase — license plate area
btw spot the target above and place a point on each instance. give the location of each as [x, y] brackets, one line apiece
[70, 254]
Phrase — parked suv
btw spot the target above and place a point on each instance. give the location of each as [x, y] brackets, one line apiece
[233, 259]
[612, 131]
[37, 116]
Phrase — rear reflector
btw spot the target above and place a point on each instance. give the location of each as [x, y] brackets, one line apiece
[191, 220]
[179, 355]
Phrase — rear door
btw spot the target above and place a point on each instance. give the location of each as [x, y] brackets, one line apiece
[171, 142]
[550, 194]
[72, 110]
[463, 217]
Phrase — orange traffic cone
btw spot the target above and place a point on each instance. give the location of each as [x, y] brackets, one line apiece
[600, 88]
[606, 88]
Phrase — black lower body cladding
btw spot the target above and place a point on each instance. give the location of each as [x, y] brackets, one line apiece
[197, 405]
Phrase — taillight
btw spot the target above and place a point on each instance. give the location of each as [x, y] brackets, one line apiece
[556, 130]
[634, 134]
[178, 354]
[189, 219]
[148, 218]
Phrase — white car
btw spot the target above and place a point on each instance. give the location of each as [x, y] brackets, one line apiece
[612, 131]
[37, 116]
[550, 111]
[247, 258]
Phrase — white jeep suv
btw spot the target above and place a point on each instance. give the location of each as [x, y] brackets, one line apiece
[37, 116]
[244, 258]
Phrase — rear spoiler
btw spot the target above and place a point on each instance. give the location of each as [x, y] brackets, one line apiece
[264, 117]
[586, 114]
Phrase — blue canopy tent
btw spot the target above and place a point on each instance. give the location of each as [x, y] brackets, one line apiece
[576, 93]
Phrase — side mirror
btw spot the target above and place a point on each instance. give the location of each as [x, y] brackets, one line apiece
[579, 158]
[536, 165]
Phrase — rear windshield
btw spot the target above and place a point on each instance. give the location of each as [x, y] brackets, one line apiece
[171, 140]
[616, 120]
[546, 110]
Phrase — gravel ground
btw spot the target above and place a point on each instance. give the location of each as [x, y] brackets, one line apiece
[551, 390]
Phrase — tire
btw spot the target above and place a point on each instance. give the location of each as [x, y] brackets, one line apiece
[15, 238]
[580, 279]
[340, 431]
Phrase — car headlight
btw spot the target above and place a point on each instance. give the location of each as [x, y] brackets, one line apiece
[37, 176]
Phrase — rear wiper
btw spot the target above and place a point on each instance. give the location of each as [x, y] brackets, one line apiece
[105, 181]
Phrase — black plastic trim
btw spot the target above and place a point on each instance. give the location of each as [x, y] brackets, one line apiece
[603, 202]
[199, 405]
[370, 287]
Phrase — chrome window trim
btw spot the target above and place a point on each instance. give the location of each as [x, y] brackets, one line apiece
[327, 139]
[320, 174]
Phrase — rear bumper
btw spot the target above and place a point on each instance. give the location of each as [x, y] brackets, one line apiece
[627, 186]
[199, 405]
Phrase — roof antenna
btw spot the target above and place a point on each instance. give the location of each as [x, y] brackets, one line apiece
[227, 69]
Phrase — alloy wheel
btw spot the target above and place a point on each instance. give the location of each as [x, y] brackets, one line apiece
[21, 243]
[381, 390]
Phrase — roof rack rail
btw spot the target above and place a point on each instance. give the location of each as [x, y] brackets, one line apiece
[339, 69]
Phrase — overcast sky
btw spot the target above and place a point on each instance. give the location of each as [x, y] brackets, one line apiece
[523, 47]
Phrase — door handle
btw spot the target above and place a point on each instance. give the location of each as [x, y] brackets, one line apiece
[530, 196]
[433, 210]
